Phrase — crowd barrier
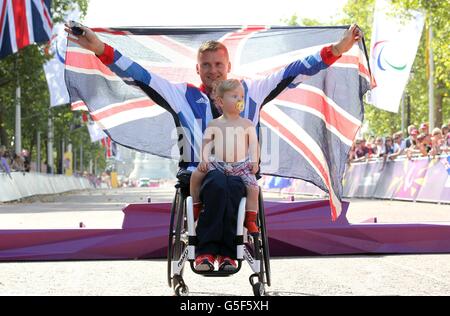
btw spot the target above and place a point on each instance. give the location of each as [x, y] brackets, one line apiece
[19, 185]
[420, 179]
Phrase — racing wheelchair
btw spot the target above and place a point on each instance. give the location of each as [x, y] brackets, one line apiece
[253, 248]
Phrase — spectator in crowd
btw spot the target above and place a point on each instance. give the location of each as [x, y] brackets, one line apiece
[427, 142]
[361, 151]
[351, 153]
[26, 160]
[98, 181]
[370, 145]
[399, 145]
[418, 149]
[437, 143]
[446, 134]
[389, 145]
[4, 165]
[17, 163]
[444, 129]
[106, 178]
[379, 149]
[410, 140]
[424, 129]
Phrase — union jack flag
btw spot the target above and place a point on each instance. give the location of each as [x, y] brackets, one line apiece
[306, 127]
[23, 22]
[110, 146]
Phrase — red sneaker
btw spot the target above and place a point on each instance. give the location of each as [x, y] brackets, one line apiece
[226, 264]
[204, 263]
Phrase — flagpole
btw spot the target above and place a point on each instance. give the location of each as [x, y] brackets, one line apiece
[63, 149]
[91, 165]
[431, 79]
[74, 157]
[50, 143]
[38, 159]
[18, 125]
[81, 158]
[403, 112]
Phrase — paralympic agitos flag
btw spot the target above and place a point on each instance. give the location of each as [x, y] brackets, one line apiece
[305, 132]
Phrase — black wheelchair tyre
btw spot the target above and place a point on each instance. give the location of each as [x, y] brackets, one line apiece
[170, 241]
[181, 290]
[258, 289]
[175, 245]
[265, 240]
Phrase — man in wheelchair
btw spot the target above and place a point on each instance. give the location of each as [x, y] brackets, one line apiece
[234, 142]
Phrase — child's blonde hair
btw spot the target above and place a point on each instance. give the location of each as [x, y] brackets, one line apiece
[220, 87]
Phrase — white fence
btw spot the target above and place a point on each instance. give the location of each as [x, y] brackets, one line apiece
[20, 185]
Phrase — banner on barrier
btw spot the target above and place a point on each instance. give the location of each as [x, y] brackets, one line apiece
[355, 178]
[410, 178]
[367, 186]
[445, 195]
[422, 179]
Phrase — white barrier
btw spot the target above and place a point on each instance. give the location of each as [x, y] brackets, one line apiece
[20, 185]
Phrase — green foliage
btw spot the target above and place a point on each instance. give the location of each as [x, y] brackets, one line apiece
[26, 68]
[293, 21]
[61, 7]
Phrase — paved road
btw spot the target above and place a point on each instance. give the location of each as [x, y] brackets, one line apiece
[333, 275]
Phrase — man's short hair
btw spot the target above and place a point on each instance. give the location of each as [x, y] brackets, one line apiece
[211, 46]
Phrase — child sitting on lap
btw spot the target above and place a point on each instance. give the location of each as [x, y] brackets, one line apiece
[234, 142]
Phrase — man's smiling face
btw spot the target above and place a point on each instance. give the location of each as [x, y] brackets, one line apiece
[213, 66]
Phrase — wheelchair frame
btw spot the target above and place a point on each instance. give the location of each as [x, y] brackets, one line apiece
[253, 248]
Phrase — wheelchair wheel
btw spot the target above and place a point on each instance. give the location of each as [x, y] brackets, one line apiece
[181, 290]
[258, 289]
[264, 238]
[176, 245]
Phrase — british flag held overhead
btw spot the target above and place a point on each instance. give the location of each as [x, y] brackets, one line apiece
[23, 22]
[307, 112]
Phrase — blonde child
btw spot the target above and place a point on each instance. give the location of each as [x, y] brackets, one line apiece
[230, 145]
